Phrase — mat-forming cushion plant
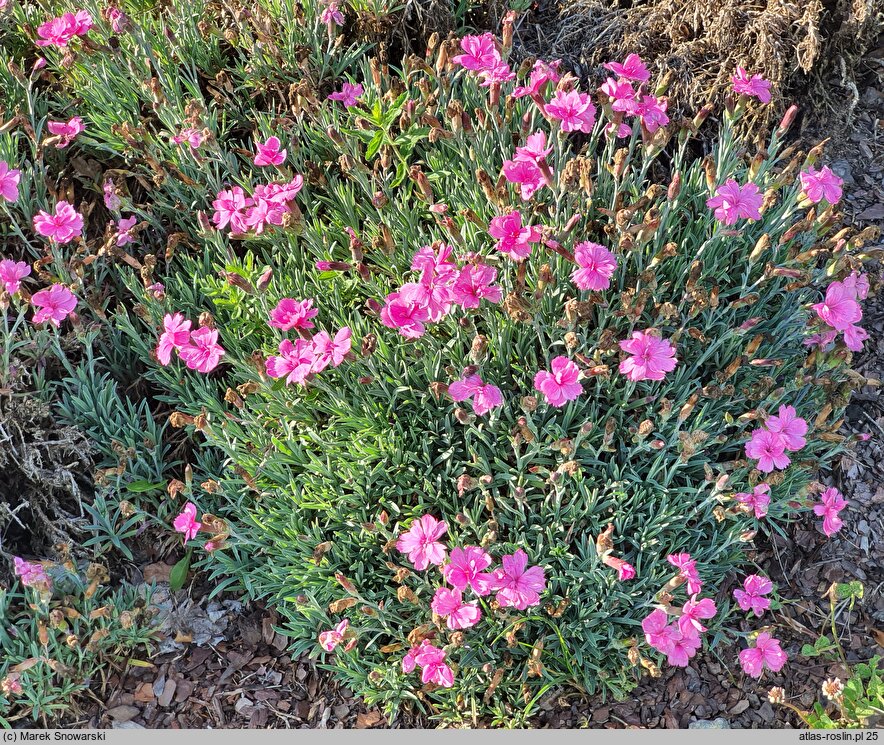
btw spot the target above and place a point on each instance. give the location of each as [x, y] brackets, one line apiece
[507, 372]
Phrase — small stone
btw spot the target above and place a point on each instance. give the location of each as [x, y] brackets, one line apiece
[126, 725]
[123, 713]
[739, 707]
[843, 169]
[719, 723]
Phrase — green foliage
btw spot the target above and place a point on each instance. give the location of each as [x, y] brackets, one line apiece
[862, 697]
[312, 484]
[55, 644]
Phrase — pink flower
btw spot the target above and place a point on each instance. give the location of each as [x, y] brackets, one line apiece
[652, 112]
[431, 660]
[328, 640]
[60, 31]
[9, 178]
[573, 109]
[406, 311]
[684, 646]
[840, 308]
[124, 230]
[858, 284]
[659, 634]
[269, 154]
[31, 573]
[202, 353]
[480, 53]
[732, 202]
[295, 362]
[755, 85]
[757, 501]
[622, 94]
[518, 585]
[231, 207]
[293, 314]
[12, 273]
[541, 74]
[513, 239]
[187, 523]
[421, 542]
[526, 173]
[625, 570]
[535, 149]
[790, 427]
[111, 200]
[831, 503]
[854, 336]
[499, 72]
[176, 333]
[632, 69]
[651, 357]
[331, 13]
[692, 612]
[55, 304]
[474, 284]
[449, 604]
[821, 340]
[597, 265]
[765, 654]
[485, 397]
[465, 569]
[66, 131]
[561, 384]
[621, 130]
[751, 597]
[192, 136]
[348, 95]
[769, 448]
[687, 571]
[328, 351]
[822, 184]
[62, 226]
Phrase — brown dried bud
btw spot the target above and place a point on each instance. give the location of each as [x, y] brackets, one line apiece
[369, 344]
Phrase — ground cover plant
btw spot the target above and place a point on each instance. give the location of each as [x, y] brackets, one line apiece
[492, 378]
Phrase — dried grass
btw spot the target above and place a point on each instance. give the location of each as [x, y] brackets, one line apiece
[798, 46]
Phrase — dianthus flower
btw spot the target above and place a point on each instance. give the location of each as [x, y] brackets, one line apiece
[752, 596]
[124, 234]
[465, 568]
[296, 360]
[60, 31]
[66, 131]
[348, 95]
[632, 68]
[479, 53]
[328, 351]
[474, 284]
[328, 640]
[651, 358]
[693, 612]
[203, 352]
[12, 273]
[268, 153]
[789, 426]
[526, 174]
[733, 202]
[831, 503]
[822, 184]
[421, 542]
[574, 109]
[176, 333]
[622, 95]
[9, 178]
[652, 112]
[518, 585]
[406, 311]
[757, 501]
[751, 85]
[769, 448]
[840, 308]
[31, 573]
[62, 226]
[766, 653]
[293, 314]
[54, 304]
[187, 523]
[192, 136]
[485, 397]
[560, 384]
[513, 239]
[457, 614]
[687, 571]
[596, 266]
[231, 208]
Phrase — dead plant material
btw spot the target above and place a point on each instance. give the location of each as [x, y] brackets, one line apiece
[814, 46]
